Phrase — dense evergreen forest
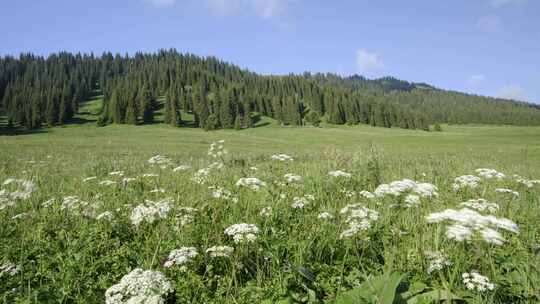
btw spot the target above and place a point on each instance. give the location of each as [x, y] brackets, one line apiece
[38, 91]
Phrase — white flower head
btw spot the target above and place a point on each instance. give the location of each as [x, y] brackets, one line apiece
[180, 256]
[252, 183]
[282, 157]
[139, 286]
[242, 233]
[219, 251]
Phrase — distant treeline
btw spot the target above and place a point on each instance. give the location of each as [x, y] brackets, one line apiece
[38, 91]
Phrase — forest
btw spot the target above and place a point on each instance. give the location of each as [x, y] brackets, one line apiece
[39, 91]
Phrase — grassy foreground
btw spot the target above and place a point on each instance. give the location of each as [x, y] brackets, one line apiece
[65, 254]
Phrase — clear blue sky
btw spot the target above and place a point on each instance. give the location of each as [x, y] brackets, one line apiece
[489, 47]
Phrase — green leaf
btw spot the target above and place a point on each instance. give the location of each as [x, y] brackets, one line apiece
[434, 296]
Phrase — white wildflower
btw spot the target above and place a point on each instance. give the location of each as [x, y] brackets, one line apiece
[489, 173]
[219, 251]
[117, 173]
[222, 193]
[139, 286]
[437, 260]
[180, 256]
[465, 181]
[150, 175]
[149, 212]
[107, 183]
[509, 191]
[217, 150]
[412, 200]
[107, 215]
[291, 178]
[481, 205]
[182, 168]
[252, 183]
[359, 219]
[367, 194]
[339, 173]
[281, 157]
[242, 232]
[397, 188]
[9, 269]
[160, 161]
[266, 212]
[90, 178]
[157, 190]
[467, 221]
[325, 216]
[475, 281]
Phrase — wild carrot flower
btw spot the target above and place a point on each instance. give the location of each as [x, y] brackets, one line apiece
[252, 183]
[475, 281]
[489, 173]
[9, 269]
[507, 191]
[242, 232]
[325, 216]
[266, 212]
[437, 260]
[180, 256]
[465, 181]
[339, 173]
[282, 157]
[219, 251]
[149, 212]
[139, 286]
[481, 205]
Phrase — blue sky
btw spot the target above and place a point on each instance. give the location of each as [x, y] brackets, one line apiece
[488, 47]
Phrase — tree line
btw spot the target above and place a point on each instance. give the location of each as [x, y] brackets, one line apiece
[38, 91]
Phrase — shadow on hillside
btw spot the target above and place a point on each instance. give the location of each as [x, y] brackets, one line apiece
[263, 124]
[80, 121]
[20, 131]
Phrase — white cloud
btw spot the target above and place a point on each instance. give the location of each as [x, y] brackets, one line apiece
[161, 3]
[264, 9]
[490, 23]
[502, 3]
[367, 62]
[475, 80]
[514, 92]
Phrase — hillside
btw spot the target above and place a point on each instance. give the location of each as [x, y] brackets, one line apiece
[38, 91]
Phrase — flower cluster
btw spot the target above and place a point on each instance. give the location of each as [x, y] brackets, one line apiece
[180, 256]
[9, 269]
[481, 205]
[325, 216]
[465, 181]
[281, 157]
[358, 218]
[437, 260]
[217, 150]
[467, 221]
[222, 193]
[160, 160]
[476, 281]
[508, 191]
[339, 173]
[182, 168]
[219, 251]
[149, 212]
[398, 188]
[242, 232]
[489, 173]
[301, 202]
[291, 178]
[266, 212]
[16, 189]
[139, 286]
[366, 194]
[252, 183]
[184, 216]
[529, 183]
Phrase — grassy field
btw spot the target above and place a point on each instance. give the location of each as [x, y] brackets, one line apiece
[57, 248]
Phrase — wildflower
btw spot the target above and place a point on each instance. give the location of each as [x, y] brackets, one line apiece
[217, 150]
[18, 216]
[301, 202]
[185, 216]
[139, 286]
[149, 212]
[243, 232]
[266, 212]
[160, 160]
[253, 168]
[157, 190]
[339, 173]
[282, 157]
[526, 182]
[9, 269]
[107, 215]
[366, 194]
[117, 173]
[48, 203]
[20, 189]
[252, 183]
[359, 218]
[348, 193]
[437, 260]
[475, 281]
[150, 175]
[87, 179]
[180, 256]
[465, 181]
[182, 168]
[219, 251]
[222, 193]
[107, 183]
[291, 178]
[509, 191]
[481, 205]
[325, 216]
[412, 200]
[127, 180]
[397, 188]
[489, 173]
[467, 221]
